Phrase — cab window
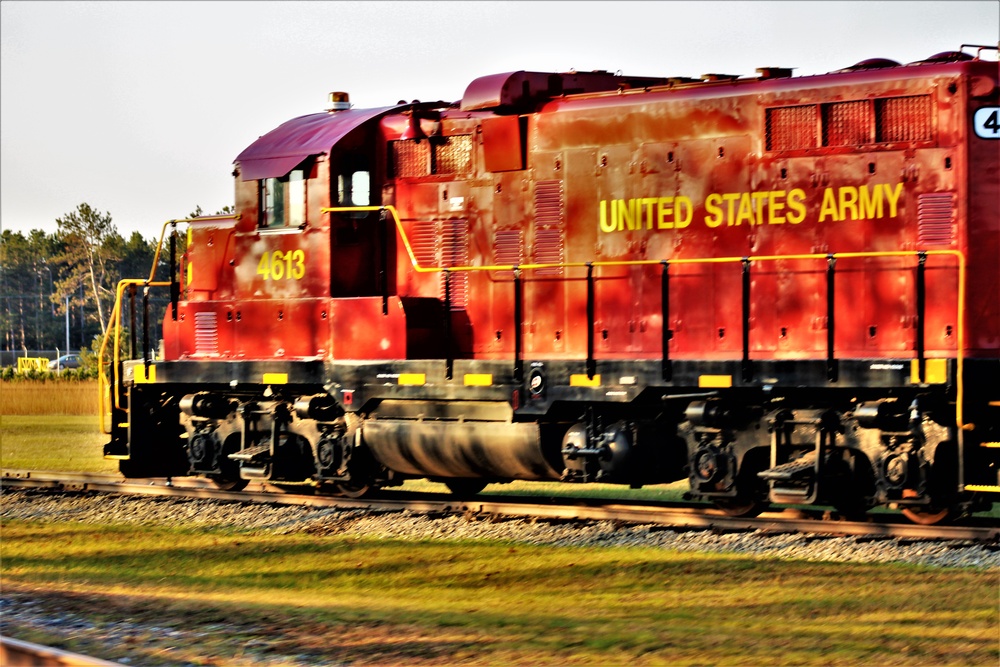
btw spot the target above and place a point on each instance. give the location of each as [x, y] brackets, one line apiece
[354, 189]
[283, 200]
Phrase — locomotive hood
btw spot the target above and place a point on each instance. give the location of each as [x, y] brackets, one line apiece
[276, 153]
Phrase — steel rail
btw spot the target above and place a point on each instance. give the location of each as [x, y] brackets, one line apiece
[17, 653]
[673, 515]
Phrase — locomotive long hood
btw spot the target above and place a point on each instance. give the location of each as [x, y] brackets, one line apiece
[278, 152]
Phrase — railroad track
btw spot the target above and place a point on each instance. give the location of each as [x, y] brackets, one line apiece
[667, 515]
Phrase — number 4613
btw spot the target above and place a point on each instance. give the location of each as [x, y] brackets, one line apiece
[278, 265]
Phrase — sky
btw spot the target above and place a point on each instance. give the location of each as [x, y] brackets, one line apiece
[139, 108]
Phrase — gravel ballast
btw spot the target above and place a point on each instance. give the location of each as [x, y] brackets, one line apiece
[287, 519]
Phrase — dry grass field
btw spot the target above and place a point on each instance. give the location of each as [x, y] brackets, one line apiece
[48, 397]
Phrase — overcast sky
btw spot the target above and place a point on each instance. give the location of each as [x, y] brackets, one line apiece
[139, 108]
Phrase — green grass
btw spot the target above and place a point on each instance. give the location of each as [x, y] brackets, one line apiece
[54, 442]
[493, 603]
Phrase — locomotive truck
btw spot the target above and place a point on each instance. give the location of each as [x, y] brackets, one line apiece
[785, 289]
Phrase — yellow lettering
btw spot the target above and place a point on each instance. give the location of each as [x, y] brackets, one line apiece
[893, 197]
[870, 205]
[746, 210]
[758, 202]
[848, 200]
[730, 199]
[713, 214]
[796, 199]
[685, 203]
[663, 209]
[649, 202]
[626, 213]
[829, 205]
[773, 206]
[605, 227]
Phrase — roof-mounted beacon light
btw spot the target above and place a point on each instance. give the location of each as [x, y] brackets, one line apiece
[338, 101]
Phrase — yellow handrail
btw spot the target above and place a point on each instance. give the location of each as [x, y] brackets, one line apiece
[960, 256]
[114, 321]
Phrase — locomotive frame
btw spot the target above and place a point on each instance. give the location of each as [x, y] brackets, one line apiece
[431, 339]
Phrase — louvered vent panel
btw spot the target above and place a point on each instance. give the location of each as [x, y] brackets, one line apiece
[549, 250]
[455, 252]
[424, 241]
[206, 333]
[508, 249]
[903, 118]
[847, 123]
[791, 128]
[454, 156]
[936, 218]
[411, 159]
[549, 204]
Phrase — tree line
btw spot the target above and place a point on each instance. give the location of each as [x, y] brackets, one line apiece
[66, 280]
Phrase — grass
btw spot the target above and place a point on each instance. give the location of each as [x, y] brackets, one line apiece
[58, 443]
[353, 598]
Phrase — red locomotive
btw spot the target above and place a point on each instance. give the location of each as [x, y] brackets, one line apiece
[785, 289]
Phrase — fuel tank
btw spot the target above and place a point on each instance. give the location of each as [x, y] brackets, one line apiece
[465, 439]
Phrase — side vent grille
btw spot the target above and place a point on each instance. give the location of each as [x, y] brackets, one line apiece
[455, 252]
[936, 218]
[903, 119]
[549, 220]
[206, 333]
[791, 128]
[857, 123]
[847, 123]
[549, 250]
[423, 240]
[444, 244]
[454, 156]
[508, 249]
[443, 155]
[549, 204]
[411, 159]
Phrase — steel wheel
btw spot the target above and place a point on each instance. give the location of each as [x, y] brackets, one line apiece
[740, 507]
[465, 487]
[925, 515]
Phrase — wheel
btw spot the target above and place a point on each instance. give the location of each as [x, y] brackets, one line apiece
[465, 487]
[925, 515]
[352, 489]
[229, 484]
[740, 507]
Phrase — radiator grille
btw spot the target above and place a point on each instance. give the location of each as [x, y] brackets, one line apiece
[411, 159]
[791, 128]
[442, 155]
[206, 333]
[454, 156]
[903, 118]
[847, 123]
[936, 218]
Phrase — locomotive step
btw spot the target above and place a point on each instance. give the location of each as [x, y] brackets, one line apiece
[252, 454]
[798, 470]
